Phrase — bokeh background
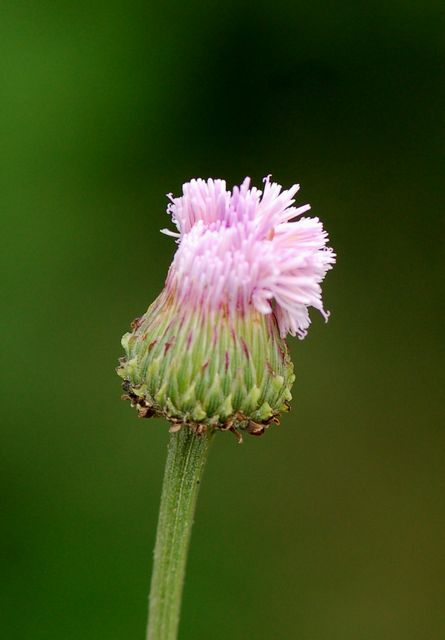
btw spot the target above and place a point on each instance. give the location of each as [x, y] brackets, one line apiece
[331, 526]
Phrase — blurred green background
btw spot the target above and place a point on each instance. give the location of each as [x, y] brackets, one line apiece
[331, 526]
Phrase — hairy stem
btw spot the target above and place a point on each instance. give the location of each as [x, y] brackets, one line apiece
[186, 457]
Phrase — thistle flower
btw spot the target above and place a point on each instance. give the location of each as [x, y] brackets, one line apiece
[210, 352]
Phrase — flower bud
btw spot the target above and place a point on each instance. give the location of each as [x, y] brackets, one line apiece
[210, 352]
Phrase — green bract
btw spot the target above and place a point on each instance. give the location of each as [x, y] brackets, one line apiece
[207, 368]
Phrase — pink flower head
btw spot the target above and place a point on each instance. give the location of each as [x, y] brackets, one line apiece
[241, 249]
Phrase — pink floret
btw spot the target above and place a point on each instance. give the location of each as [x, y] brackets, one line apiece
[241, 248]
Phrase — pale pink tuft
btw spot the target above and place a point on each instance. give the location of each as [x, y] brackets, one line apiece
[240, 249]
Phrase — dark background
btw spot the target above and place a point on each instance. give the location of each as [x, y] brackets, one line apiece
[331, 526]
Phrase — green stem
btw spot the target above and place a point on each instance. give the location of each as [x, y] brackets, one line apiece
[186, 457]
